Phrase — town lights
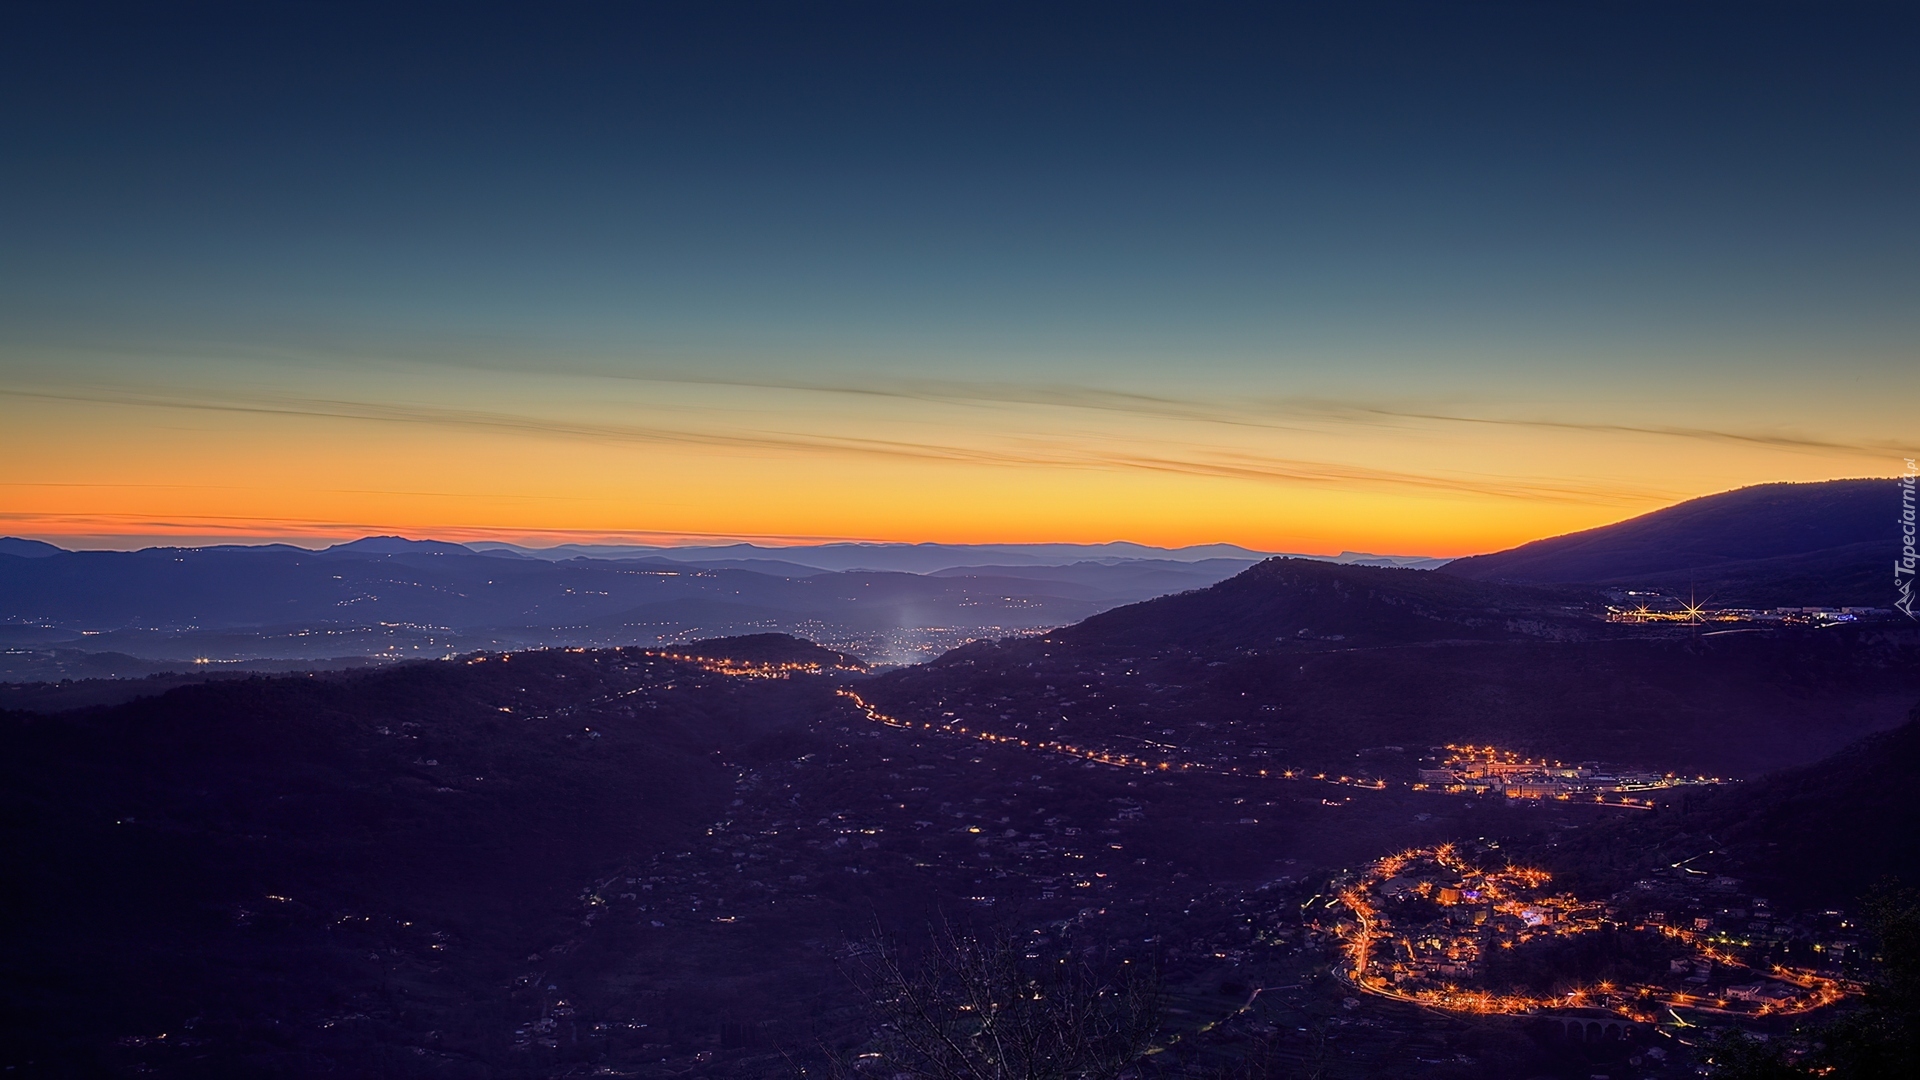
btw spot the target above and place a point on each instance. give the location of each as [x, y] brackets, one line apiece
[1424, 961]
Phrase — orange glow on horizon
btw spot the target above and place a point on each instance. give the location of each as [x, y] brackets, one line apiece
[92, 474]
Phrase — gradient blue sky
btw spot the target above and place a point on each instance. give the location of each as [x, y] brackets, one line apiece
[1433, 277]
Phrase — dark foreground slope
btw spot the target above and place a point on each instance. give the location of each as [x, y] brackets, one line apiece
[1284, 601]
[609, 863]
[284, 869]
[614, 863]
[1298, 664]
[1817, 835]
[1794, 544]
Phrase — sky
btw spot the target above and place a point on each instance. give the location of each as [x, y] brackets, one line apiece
[1424, 278]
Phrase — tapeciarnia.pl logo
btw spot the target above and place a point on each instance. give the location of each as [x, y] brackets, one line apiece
[1904, 565]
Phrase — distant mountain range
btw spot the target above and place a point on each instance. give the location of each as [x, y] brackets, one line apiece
[1828, 543]
[80, 614]
[394, 598]
[93, 613]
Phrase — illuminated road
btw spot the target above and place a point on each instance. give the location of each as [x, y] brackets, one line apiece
[1099, 755]
[1121, 760]
[1819, 991]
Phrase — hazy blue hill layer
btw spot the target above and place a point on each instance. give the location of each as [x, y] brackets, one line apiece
[388, 596]
[1824, 543]
[900, 558]
[209, 588]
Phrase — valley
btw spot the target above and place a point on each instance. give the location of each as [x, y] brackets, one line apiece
[717, 936]
[1338, 820]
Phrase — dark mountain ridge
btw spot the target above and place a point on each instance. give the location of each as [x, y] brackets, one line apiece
[1821, 834]
[1299, 600]
[1308, 664]
[1771, 544]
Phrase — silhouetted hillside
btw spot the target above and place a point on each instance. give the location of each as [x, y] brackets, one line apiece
[769, 649]
[1816, 835]
[564, 862]
[1290, 600]
[1795, 544]
[27, 549]
[601, 863]
[221, 859]
[1302, 664]
[69, 694]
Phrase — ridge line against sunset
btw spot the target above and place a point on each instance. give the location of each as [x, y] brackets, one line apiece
[126, 532]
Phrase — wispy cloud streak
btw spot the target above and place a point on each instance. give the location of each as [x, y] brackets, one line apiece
[1293, 414]
[1237, 465]
[1284, 414]
[115, 528]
